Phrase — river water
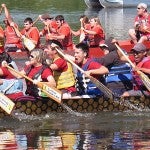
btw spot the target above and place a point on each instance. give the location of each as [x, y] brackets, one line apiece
[128, 130]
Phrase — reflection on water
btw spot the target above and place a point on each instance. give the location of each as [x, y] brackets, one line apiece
[105, 130]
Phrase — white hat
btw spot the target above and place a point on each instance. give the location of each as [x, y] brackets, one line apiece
[143, 5]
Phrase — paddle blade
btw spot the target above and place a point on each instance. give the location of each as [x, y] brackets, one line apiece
[145, 79]
[51, 92]
[82, 37]
[6, 104]
[28, 43]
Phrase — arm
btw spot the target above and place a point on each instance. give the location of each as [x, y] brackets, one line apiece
[89, 31]
[54, 67]
[51, 81]
[7, 14]
[100, 71]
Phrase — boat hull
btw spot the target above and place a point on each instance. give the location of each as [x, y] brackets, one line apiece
[93, 52]
[115, 3]
[31, 106]
[93, 3]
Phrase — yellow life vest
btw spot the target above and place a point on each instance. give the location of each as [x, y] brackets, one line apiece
[65, 79]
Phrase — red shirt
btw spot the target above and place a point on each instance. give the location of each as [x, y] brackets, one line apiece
[143, 21]
[61, 64]
[47, 72]
[98, 37]
[33, 34]
[7, 74]
[67, 41]
[93, 65]
[11, 36]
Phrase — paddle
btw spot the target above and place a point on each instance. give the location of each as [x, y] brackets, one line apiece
[27, 42]
[82, 34]
[51, 92]
[144, 77]
[102, 87]
[1, 10]
[6, 104]
[36, 19]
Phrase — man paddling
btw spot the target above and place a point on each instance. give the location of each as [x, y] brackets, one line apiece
[12, 41]
[63, 71]
[141, 31]
[142, 62]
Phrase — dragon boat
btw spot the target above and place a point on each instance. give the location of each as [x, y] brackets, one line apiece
[36, 106]
[85, 104]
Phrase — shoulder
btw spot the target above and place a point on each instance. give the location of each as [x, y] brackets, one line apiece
[93, 64]
[60, 61]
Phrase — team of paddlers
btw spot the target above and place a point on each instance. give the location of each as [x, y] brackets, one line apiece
[46, 64]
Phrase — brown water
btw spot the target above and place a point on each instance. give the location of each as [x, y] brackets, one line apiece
[73, 130]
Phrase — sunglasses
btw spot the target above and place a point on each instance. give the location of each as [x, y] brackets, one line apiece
[26, 24]
[139, 8]
[31, 56]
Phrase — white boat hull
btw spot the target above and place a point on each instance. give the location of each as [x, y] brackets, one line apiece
[114, 3]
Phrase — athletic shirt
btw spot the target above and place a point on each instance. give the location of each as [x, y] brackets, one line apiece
[33, 34]
[142, 21]
[11, 37]
[41, 73]
[83, 84]
[67, 41]
[145, 63]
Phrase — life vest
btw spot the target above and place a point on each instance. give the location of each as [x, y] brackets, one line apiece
[67, 41]
[28, 34]
[84, 85]
[32, 88]
[137, 80]
[11, 37]
[64, 79]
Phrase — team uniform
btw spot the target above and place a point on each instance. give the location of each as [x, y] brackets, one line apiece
[13, 42]
[40, 73]
[95, 40]
[83, 84]
[33, 34]
[143, 21]
[67, 41]
[64, 76]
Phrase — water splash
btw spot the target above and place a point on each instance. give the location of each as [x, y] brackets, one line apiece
[74, 112]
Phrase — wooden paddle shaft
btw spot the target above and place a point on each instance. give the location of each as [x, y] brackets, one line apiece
[126, 57]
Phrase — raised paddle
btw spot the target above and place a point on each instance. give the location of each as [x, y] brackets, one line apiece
[37, 19]
[6, 104]
[101, 86]
[1, 10]
[27, 42]
[82, 34]
[144, 77]
[51, 92]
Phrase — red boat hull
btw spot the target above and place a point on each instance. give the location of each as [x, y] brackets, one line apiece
[94, 52]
